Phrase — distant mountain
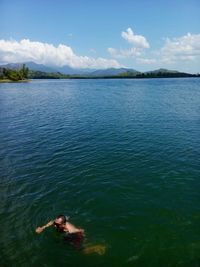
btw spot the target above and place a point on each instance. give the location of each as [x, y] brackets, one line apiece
[13, 66]
[71, 71]
[31, 65]
[43, 68]
[162, 71]
[113, 72]
[39, 67]
[50, 69]
[64, 69]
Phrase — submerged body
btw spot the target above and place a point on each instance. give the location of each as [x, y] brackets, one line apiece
[98, 249]
[73, 235]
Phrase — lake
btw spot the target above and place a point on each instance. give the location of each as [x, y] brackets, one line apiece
[119, 156]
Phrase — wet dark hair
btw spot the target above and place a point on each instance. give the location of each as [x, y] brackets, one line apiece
[62, 217]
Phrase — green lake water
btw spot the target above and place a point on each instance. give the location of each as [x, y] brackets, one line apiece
[120, 157]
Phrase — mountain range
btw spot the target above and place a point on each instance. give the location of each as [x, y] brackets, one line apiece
[43, 68]
[68, 70]
[61, 72]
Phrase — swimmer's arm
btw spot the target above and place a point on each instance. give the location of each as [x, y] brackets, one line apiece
[41, 229]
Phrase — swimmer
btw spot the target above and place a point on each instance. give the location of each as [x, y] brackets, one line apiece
[72, 234]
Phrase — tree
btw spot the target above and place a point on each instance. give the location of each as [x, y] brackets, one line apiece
[25, 71]
[15, 75]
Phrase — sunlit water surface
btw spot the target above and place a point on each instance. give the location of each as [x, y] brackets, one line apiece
[120, 157]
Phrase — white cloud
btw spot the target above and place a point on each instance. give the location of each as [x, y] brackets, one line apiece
[138, 41]
[124, 53]
[182, 48]
[176, 51]
[146, 61]
[138, 44]
[44, 53]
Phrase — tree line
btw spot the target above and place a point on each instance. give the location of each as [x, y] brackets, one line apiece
[14, 74]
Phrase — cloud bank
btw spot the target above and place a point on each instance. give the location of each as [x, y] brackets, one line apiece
[183, 48]
[12, 51]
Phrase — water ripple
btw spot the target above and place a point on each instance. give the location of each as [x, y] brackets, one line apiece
[120, 157]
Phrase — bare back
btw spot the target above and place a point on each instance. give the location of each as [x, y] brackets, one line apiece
[70, 228]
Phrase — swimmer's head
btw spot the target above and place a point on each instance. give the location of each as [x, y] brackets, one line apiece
[61, 219]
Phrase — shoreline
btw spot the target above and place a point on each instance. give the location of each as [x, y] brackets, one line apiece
[10, 81]
[93, 78]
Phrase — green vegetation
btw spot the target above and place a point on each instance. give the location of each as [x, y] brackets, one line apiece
[47, 75]
[125, 75]
[158, 74]
[14, 75]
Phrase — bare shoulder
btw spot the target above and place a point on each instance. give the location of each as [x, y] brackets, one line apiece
[71, 228]
[70, 224]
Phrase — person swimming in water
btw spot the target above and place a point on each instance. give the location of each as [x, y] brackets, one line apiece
[72, 234]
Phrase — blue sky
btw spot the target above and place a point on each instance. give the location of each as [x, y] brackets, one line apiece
[143, 35]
